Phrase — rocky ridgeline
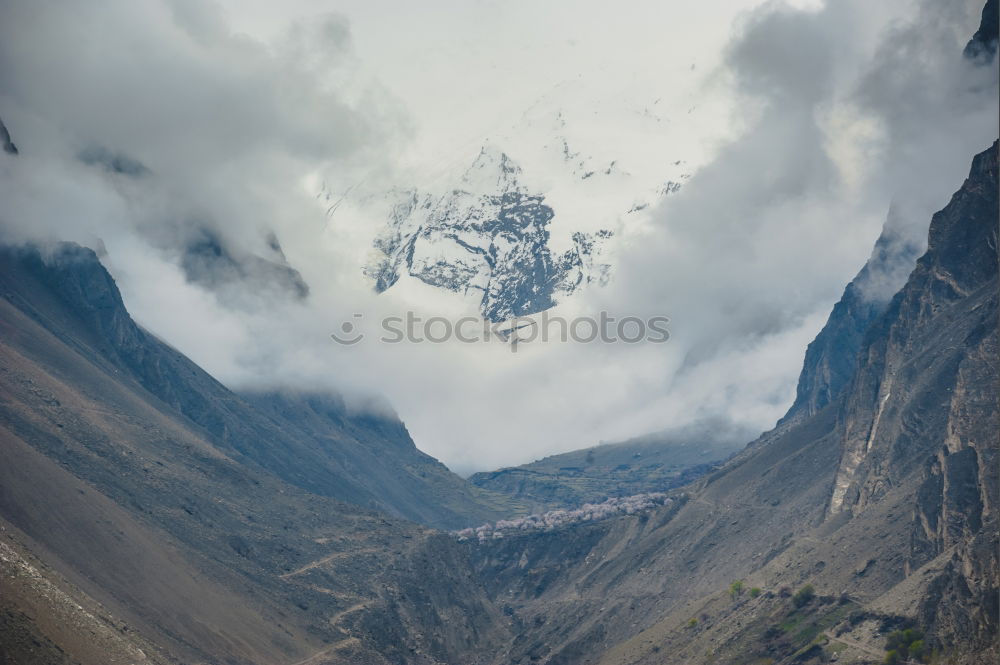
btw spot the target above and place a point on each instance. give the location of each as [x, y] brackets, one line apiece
[589, 512]
[488, 237]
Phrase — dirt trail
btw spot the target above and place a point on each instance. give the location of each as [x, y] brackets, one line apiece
[325, 560]
[318, 657]
[335, 619]
[878, 655]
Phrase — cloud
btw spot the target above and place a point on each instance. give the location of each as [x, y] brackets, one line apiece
[845, 115]
[157, 127]
[226, 124]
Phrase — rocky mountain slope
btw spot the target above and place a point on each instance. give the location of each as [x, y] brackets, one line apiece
[883, 502]
[310, 441]
[140, 497]
[652, 463]
[830, 358]
[207, 261]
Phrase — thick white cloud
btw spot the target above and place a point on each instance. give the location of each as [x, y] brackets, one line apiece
[814, 118]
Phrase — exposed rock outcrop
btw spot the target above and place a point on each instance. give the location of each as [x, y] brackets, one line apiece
[830, 359]
[487, 239]
[8, 144]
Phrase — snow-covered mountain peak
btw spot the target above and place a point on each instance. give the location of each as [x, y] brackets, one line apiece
[529, 213]
[486, 239]
[492, 172]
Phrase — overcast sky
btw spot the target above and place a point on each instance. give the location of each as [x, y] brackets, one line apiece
[798, 123]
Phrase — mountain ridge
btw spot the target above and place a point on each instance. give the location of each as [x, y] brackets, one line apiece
[132, 506]
[653, 463]
[904, 532]
[302, 456]
[132, 483]
[487, 239]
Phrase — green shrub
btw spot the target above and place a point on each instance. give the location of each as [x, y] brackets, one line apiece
[692, 622]
[755, 591]
[736, 589]
[804, 595]
[905, 644]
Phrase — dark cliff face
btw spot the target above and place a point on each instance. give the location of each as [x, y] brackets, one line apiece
[114, 162]
[8, 144]
[307, 440]
[829, 363]
[207, 261]
[831, 358]
[923, 409]
[983, 45]
[938, 329]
